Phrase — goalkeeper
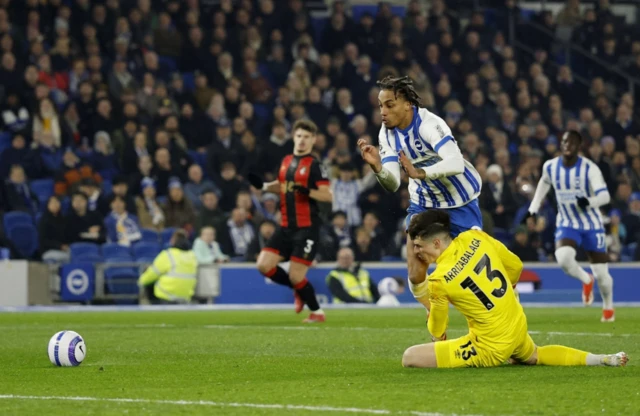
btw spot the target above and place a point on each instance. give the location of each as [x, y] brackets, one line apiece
[476, 273]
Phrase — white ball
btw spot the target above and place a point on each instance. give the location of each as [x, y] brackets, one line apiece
[67, 349]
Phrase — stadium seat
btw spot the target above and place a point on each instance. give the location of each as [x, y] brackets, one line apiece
[43, 189]
[146, 250]
[106, 186]
[65, 205]
[115, 251]
[149, 236]
[502, 235]
[15, 218]
[5, 140]
[25, 239]
[166, 234]
[85, 252]
[121, 280]
[189, 82]
[168, 63]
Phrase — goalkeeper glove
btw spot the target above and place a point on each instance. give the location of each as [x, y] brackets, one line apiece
[255, 180]
[301, 190]
[582, 202]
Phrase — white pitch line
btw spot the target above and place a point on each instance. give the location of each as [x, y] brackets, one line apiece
[301, 328]
[227, 404]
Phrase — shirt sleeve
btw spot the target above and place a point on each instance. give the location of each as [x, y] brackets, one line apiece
[389, 176]
[160, 266]
[512, 263]
[544, 185]
[439, 313]
[599, 193]
[439, 136]
[318, 176]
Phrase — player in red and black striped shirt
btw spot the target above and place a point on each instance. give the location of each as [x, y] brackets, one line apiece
[302, 184]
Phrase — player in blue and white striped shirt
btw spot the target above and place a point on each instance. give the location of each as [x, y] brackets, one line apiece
[580, 191]
[422, 143]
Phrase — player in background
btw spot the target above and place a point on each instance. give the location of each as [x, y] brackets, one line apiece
[422, 143]
[476, 274]
[580, 191]
[302, 184]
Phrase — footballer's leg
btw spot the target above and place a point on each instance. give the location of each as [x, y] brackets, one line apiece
[567, 241]
[454, 353]
[559, 355]
[274, 252]
[599, 261]
[303, 252]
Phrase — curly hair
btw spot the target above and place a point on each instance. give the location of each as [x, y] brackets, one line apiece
[402, 86]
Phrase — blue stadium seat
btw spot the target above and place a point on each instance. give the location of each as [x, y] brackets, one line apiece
[146, 250]
[115, 250]
[43, 189]
[149, 236]
[502, 235]
[15, 218]
[25, 239]
[106, 186]
[189, 81]
[166, 234]
[65, 205]
[121, 280]
[85, 252]
[5, 140]
[261, 111]
[168, 62]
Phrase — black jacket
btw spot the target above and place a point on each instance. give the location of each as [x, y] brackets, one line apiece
[52, 232]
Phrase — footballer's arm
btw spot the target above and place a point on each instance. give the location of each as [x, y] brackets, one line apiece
[322, 194]
[439, 313]
[273, 186]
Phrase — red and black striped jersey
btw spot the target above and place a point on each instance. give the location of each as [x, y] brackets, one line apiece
[298, 210]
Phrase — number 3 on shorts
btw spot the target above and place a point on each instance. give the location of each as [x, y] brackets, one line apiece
[309, 246]
[600, 238]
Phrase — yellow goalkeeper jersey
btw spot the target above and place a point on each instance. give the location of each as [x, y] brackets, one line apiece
[476, 273]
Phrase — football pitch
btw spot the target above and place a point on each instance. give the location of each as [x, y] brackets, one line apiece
[265, 362]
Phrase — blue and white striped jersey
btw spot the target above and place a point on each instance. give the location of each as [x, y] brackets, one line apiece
[584, 179]
[420, 142]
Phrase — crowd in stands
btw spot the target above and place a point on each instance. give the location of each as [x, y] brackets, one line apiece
[119, 116]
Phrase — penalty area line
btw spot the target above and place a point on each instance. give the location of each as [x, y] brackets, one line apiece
[276, 406]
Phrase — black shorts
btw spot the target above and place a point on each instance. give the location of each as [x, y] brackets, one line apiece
[299, 245]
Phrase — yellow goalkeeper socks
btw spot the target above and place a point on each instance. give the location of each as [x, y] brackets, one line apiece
[559, 355]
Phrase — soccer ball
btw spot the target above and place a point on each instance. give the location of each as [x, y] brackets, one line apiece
[67, 349]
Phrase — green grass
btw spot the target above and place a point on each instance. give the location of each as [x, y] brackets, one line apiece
[260, 357]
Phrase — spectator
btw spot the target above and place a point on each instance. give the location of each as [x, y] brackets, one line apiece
[236, 234]
[259, 241]
[149, 211]
[52, 233]
[15, 116]
[17, 154]
[207, 249]
[364, 248]
[179, 212]
[120, 187]
[103, 159]
[346, 191]
[497, 198]
[17, 193]
[230, 185]
[632, 219]
[122, 227]
[210, 214]
[196, 185]
[97, 201]
[335, 236]
[271, 207]
[522, 247]
[349, 283]
[83, 225]
[46, 125]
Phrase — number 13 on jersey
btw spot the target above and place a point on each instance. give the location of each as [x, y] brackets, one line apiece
[469, 283]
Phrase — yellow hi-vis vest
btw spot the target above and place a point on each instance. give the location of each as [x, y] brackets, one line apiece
[174, 272]
[358, 287]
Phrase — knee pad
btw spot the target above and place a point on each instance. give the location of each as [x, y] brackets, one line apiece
[565, 256]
